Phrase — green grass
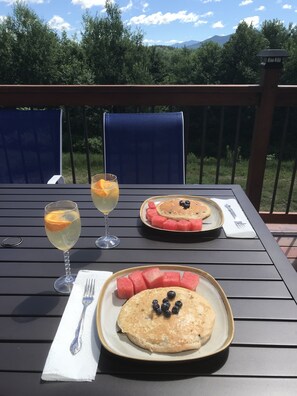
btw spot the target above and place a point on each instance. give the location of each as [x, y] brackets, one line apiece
[209, 176]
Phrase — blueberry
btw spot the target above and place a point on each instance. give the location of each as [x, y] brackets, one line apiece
[165, 307]
[187, 202]
[175, 310]
[167, 314]
[158, 311]
[165, 300]
[171, 294]
[156, 307]
[181, 203]
[178, 304]
[154, 302]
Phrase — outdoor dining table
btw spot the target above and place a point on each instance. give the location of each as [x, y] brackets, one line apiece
[258, 280]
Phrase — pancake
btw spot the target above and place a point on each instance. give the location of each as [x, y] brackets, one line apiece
[176, 209]
[189, 329]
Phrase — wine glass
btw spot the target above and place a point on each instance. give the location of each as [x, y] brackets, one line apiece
[62, 227]
[105, 196]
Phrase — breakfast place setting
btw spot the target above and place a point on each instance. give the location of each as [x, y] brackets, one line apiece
[111, 288]
[143, 314]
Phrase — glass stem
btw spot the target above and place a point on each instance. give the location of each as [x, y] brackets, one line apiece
[67, 266]
[106, 225]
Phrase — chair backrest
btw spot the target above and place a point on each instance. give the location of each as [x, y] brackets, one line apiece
[30, 145]
[145, 147]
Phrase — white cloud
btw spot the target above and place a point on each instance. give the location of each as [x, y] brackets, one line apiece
[261, 8]
[245, 2]
[160, 42]
[207, 14]
[171, 42]
[218, 25]
[151, 42]
[287, 7]
[58, 23]
[254, 20]
[11, 2]
[127, 7]
[2, 18]
[210, 1]
[200, 22]
[89, 3]
[159, 18]
[145, 6]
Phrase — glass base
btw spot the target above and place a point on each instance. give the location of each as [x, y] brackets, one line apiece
[64, 285]
[107, 242]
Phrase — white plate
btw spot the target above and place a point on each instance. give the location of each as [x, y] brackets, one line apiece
[213, 222]
[109, 306]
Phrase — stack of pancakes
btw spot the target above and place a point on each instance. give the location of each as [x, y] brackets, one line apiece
[189, 329]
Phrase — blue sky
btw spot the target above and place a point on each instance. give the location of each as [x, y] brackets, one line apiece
[165, 21]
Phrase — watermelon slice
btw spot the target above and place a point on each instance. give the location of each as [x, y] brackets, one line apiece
[125, 287]
[184, 225]
[151, 205]
[196, 224]
[138, 281]
[150, 213]
[189, 280]
[170, 224]
[153, 277]
[157, 221]
[171, 278]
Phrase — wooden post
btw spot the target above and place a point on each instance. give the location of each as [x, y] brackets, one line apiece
[272, 68]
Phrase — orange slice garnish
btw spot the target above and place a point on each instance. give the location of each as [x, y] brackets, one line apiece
[99, 188]
[103, 187]
[54, 220]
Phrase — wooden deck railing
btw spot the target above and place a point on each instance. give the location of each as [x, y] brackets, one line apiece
[265, 98]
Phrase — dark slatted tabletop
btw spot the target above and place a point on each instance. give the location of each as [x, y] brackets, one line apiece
[258, 280]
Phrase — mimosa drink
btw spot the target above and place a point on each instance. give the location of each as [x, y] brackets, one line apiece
[105, 195]
[62, 227]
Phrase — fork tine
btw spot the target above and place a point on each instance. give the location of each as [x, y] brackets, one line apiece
[92, 287]
[89, 288]
[86, 287]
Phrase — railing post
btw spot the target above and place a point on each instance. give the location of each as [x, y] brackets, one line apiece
[272, 66]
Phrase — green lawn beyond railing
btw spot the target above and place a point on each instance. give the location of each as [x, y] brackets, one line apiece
[209, 174]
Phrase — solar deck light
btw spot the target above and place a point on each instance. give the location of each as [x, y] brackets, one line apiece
[272, 57]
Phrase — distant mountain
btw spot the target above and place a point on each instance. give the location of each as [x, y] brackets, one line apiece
[192, 44]
[186, 44]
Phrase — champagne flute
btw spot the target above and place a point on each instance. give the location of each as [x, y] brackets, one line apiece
[105, 196]
[62, 227]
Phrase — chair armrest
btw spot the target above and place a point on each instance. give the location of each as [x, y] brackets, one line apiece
[56, 179]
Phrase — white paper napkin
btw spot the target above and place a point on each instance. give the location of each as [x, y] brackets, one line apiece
[230, 228]
[60, 364]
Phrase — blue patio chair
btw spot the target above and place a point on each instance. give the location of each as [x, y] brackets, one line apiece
[31, 146]
[145, 147]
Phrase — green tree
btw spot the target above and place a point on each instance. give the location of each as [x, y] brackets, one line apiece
[240, 61]
[290, 65]
[276, 33]
[208, 64]
[28, 49]
[114, 54]
[180, 66]
[157, 64]
[73, 67]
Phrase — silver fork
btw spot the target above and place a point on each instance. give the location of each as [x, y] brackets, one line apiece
[87, 299]
[239, 223]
